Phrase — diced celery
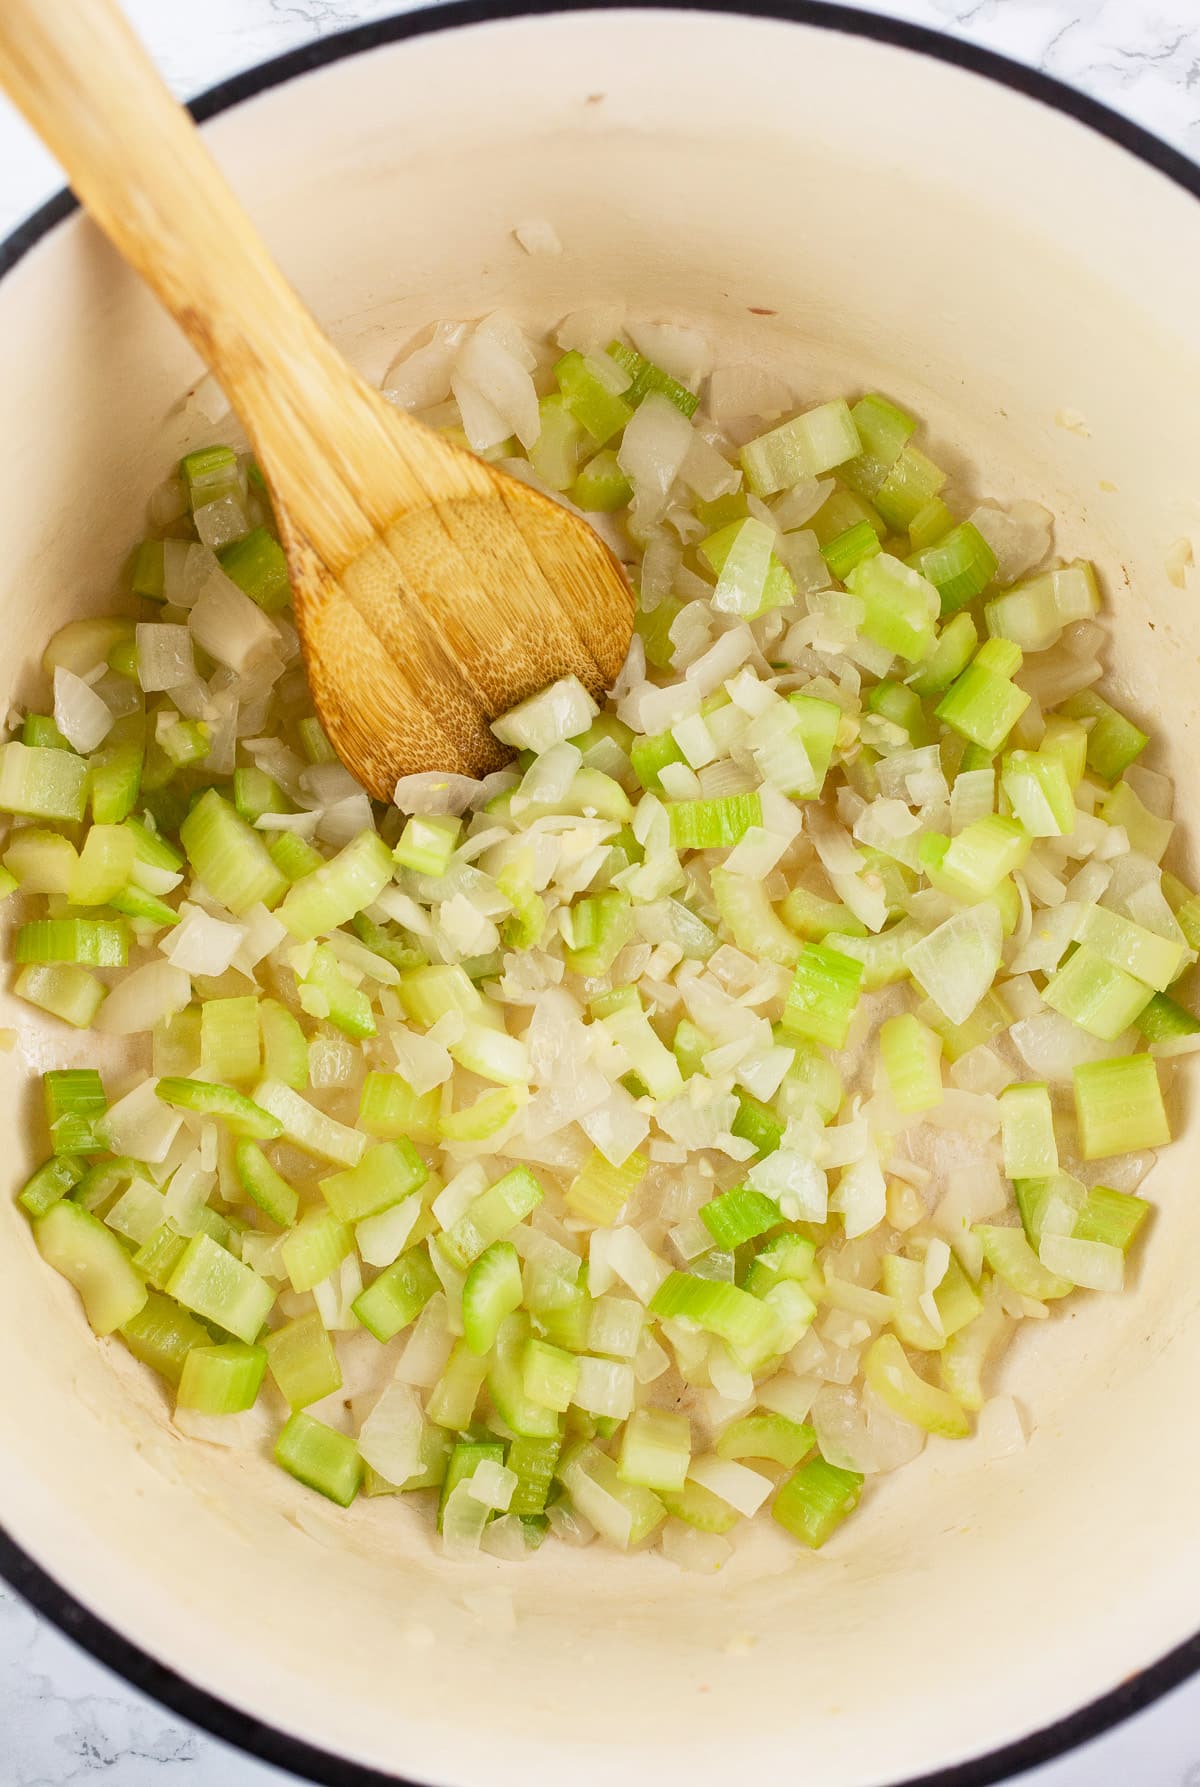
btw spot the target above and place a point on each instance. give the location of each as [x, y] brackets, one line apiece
[984, 704]
[398, 1295]
[823, 995]
[656, 1449]
[213, 1284]
[451, 1402]
[221, 1380]
[770, 1436]
[427, 844]
[1101, 999]
[601, 487]
[256, 793]
[740, 1215]
[66, 992]
[949, 657]
[892, 1378]
[647, 377]
[490, 1216]
[91, 1258]
[302, 1361]
[901, 606]
[265, 1187]
[1011, 1258]
[42, 782]
[314, 1247]
[387, 1172]
[850, 548]
[600, 1191]
[308, 1127]
[257, 565]
[814, 1500]
[229, 856]
[1119, 1107]
[1110, 1217]
[960, 566]
[52, 1181]
[808, 445]
[389, 1109]
[75, 1103]
[1113, 742]
[229, 1038]
[243, 1116]
[742, 1321]
[755, 1122]
[163, 1336]
[911, 1056]
[284, 1049]
[592, 388]
[1027, 1132]
[320, 1458]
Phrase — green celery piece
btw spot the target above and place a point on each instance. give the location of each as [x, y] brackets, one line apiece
[601, 487]
[257, 565]
[221, 1380]
[534, 1461]
[146, 571]
[901, 606]
[713, 824]
[1113, 1217]
[755, 1122]
[768, 1436]
[490, 1216]
[398, 1295]
[90, 1256]
[387, 1172]
[960, 566]
[314, 1247]
[302, 1361]
[75, 1103]
[256, 793]
[162, 1335]
[698, 1507]
[462, 1463]
[1113, 742]
[740, 1215]
[648, 377]
[554, 455]
[1119, 1107]
[217, 1287]
[823, 995]
[1164, 1022]
[52, 1181]
[265, 1187]
[320, 1458]
[229, 856]
[587, 390]
[814, 1501]
[848, 549]
[244, 1117]
[909, 486]
[491, 1291]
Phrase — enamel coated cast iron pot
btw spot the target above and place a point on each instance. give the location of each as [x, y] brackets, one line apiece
[867, 205]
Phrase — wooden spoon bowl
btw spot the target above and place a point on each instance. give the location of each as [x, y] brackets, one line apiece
[432, 592]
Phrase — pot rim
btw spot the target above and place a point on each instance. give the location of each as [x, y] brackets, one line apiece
[36, 1586]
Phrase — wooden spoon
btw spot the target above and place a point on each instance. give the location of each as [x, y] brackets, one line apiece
[432, 592]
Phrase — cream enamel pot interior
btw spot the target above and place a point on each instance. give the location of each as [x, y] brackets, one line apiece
[830, 197]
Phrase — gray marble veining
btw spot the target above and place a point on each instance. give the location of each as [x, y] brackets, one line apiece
[64, 1720]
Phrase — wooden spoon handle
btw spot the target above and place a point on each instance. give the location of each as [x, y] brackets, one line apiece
[134, 157]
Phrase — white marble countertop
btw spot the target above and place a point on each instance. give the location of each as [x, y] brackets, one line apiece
[64, 1719]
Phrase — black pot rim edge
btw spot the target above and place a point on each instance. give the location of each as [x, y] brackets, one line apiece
[55, 1603]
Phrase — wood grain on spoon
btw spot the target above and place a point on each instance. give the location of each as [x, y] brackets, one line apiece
[432, 592]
